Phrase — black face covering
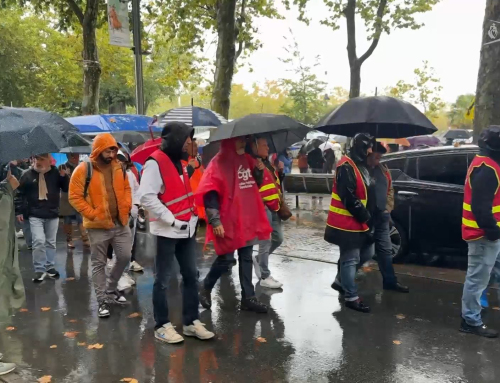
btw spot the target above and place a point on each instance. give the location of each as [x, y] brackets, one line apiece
[174, 135]
[360, 145]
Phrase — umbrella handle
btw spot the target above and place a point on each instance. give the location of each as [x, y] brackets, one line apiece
[150, 126]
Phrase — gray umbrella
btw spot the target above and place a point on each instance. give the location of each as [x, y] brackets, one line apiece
[25, 132]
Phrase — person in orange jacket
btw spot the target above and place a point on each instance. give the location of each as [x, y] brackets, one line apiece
[195, 162]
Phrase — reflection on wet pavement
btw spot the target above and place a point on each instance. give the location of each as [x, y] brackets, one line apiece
[307, 336]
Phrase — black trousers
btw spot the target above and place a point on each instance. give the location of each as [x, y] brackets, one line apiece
[184, 249]
[222, 264]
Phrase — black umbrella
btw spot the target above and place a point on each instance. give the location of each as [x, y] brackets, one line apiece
[131, 136]
[280, 130]
[77, 149]
[312, 144]
[457, 134]
[192, 116]
[381, 117]
[25, 132]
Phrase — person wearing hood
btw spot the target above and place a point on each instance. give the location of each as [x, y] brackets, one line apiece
[38, 199]
[481, 229]
[105, 201]
[349, 217]
[67, 211]
[229, 191]
[166, 193]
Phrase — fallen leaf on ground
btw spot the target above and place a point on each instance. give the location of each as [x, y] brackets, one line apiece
[45, 379]
[23, 310]
[70, 279]
[366, 269]
[81, 344]
[495, 308]
[261, 339]
[10, 328]
[45, 308]
[53, 346]
[293, 218]
[71, 334]
[97, 346]
[134, 315]
[396, 342]
[73, 321]
[130, 380]
[400, 316]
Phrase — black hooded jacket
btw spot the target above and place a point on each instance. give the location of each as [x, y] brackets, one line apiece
[174, 135]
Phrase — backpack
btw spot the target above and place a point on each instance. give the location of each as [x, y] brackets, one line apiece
[90, 170]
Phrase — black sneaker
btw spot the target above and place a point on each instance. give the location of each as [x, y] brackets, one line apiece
[205, 297]
[398, 287]
[338, 288]
[116, 297]
[253, 304]
[358, 305]
[103, 311]
[53, 273]
[478, 330]
[39, 277]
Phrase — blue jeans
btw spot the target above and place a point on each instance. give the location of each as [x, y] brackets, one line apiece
[184, 249]
[350, 260]
[383, 248]
[68, 220]
[267, 246]
[44, 233]
[27, 232]
[484, 257]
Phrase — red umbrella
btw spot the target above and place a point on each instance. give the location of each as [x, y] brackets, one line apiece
[144, 151]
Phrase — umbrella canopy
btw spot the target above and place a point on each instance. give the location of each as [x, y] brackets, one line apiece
[106, 123]
[381, 117]
[25, 132]
[281, 131]
[312, 144]
[131, 136]
[144, 151]
[192, 116]
[457, 134]
[326, 145]
[77, 149]
[423, 141]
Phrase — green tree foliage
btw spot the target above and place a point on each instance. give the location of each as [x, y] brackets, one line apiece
[458, 112]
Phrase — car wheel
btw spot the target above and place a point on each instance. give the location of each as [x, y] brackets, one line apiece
[399, 242]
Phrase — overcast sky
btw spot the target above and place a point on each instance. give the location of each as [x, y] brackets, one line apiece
[450, 41]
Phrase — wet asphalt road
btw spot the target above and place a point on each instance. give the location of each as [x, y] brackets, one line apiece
[306, 337]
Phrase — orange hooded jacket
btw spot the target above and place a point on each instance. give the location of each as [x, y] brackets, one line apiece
[95, 208]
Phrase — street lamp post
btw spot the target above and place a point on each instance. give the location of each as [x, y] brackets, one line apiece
[139, 85]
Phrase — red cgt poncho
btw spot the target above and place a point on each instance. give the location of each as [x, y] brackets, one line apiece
[242, 211]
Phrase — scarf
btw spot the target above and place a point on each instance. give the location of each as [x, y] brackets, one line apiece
[42, 185]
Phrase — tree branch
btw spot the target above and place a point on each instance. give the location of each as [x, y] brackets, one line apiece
[349, 13]
[92, 9]
[241, 20]
[76, 10]
[378, 31]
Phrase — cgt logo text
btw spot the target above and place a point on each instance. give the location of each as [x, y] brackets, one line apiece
[244, 174]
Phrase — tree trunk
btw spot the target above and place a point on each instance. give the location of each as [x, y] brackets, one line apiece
[117, 108]
[355, 86]
[487, 105]
[225, 57]
[91, 65]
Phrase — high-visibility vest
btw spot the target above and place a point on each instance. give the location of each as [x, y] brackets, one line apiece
[338, 216]
[177, 197]
[470, 228]
[269, 192]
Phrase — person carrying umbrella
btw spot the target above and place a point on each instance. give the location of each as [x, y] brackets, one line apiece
[348, 219]
[229, 191]
[384, 204]
[166, 193]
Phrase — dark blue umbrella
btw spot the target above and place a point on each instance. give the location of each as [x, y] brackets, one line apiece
[107, 123]
[25, 132]
[192, 116]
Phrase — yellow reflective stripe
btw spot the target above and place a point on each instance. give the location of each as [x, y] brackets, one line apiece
[266, 187]
[494, 209]
[337, 198]
[271, 197]
[473, 224]
[337, 210]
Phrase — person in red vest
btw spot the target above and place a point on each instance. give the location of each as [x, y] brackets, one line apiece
[229, 191]
[382, 207]
[481, 229]
[349, 217]
[166, 193]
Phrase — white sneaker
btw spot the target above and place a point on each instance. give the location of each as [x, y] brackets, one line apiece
[20, 234]
[129, 279]
[167, 334]
[256, 267]
[5, 368]
[134, 266]
[270, 283]
[198, 330]
[125, 282]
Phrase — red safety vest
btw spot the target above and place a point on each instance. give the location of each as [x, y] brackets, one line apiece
[338, 216]
[470, 228]
[269, 192]
[178, 196]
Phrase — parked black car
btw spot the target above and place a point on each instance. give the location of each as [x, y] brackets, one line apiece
[429, 187]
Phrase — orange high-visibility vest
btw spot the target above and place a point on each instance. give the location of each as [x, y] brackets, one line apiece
[178, 197]
[338, 216]
[470, 229]
[269, 192]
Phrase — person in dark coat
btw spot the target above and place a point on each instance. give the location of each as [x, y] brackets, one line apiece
[329, 156]
[315, 160]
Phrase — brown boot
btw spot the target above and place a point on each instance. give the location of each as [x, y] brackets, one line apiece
[68, 230]
[85, 236]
